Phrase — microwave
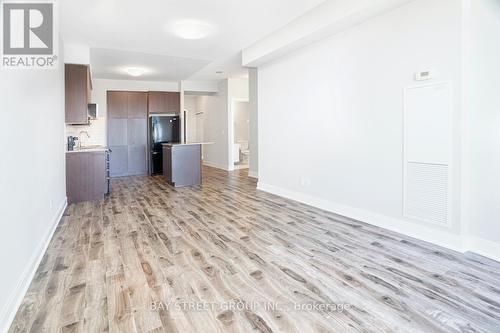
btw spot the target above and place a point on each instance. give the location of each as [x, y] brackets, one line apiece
[93, 111]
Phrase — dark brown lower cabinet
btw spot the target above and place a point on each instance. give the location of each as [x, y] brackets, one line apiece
[86, 176]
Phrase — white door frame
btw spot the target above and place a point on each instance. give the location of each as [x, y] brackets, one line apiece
[230, 130]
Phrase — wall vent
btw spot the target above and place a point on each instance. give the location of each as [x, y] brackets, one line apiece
[426, 192]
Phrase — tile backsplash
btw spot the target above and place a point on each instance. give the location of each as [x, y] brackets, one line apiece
[96, 131]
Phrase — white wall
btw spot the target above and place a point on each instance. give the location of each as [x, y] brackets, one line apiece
[241, 122]
[253, 98]
[326, 19]
[215, 108]
[331, 115]
[482, 123]
[218, 123]
[76, 54]
[97, 129]
[190, 106]
[202, 87]
[32, 176]
[237, 91]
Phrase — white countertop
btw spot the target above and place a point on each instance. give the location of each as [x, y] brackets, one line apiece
[88, 149]
[187, 144]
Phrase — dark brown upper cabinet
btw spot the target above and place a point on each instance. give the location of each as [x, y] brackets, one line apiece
[117, 104]
[127, 105]
[164, 102]
[137, 105]
[78, 87]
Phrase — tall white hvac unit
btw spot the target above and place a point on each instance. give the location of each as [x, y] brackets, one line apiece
[428, 153]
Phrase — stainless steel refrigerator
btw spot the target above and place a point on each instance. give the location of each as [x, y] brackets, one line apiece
[162, 129]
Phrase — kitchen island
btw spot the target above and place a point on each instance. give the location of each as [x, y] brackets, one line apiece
[182, 163]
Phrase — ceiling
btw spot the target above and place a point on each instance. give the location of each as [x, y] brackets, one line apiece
[136, 33]
[111, 64]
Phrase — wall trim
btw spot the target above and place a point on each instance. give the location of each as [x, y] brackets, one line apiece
[217, 166]
[16, 297]
[253, 174]
[425, 233]
[483, 247]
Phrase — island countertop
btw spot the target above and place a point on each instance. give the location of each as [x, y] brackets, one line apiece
[187, 144]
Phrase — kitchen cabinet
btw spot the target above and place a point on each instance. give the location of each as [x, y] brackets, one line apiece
[137, 131]
[86, 176]
[137, 105]
[117, 132]
[137, 160]
[164, 102]
[78, 87]
[117, 105]
[127, 132]
[118, 161]
[173, 102]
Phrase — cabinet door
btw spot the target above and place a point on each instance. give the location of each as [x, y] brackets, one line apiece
[157, 102]
[137, 105]
[117, 104]
[137, 132]
[173, 102]
[117, 132]
[167, 163]
[118, 161]
[89, 86]
[76, 94]
[137, 160]
[85, 176]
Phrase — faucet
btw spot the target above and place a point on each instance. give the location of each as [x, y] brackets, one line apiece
[80, 137]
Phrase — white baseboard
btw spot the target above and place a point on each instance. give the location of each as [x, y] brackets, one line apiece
[217, 166]
[16, 297]
[428, 234]
[253, 174]
[483, 247]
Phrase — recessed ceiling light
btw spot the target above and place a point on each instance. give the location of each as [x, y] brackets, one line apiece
[219, 72]
[135, 71]
[192, 29]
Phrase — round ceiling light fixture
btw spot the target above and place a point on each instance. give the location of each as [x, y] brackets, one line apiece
[135, 71]
[192, 29]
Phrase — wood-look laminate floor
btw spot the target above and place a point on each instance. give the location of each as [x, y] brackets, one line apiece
[151, 258]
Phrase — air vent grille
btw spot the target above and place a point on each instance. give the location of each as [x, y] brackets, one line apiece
[426, 192]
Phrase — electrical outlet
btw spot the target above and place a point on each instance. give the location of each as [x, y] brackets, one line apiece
[51, 204]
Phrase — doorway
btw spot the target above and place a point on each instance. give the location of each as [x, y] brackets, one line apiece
[241, 134]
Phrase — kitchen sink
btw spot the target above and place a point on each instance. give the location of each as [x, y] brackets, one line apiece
[91, 147]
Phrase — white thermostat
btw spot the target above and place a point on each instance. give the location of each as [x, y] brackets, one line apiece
[423, 75]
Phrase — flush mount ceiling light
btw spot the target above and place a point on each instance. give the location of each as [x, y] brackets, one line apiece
[135, 71]
[192, 29]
